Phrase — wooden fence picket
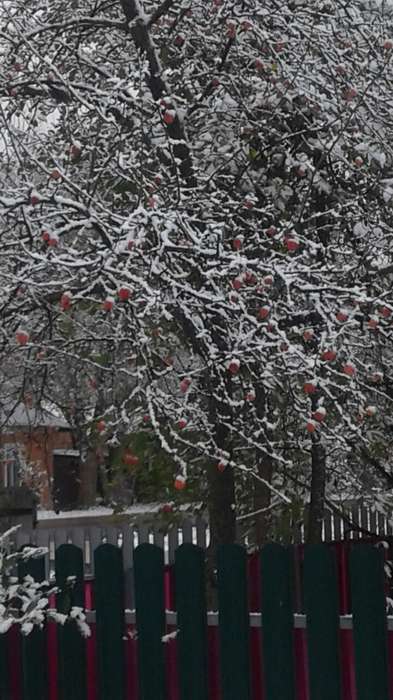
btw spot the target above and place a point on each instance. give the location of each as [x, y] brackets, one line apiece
[191, 622]
[323, 623]
[150, 620]
[110, 624]
[277, 622]
[234, 624]
[71, 644]
[369, 622]
[34, 649]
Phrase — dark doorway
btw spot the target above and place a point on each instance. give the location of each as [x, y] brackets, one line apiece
[65, 479]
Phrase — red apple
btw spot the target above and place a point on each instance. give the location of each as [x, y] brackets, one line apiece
[350, 94]
[108, 303]
[248, 203]
[291, 244]
[370, 410]
[45, 235]
[372, 323]
[388, 45]
[180, 482]
[250, 278]
[385, 311]
[34, 198]
[237, 242]
[233, 366]
[246, 25]
[215, 83]
[250, 396]
[169, 116]
[167, 508]
[124, 293]
[231, 29]
[263, 312]
[268, 280]
[311, 426]
[130, 459]
[181, 424]
[301, 171]
[349, 369]
[309, 387]
[342, 316]
[237, 283]
[185, 385]
[75, 150]
[221, 465]
[53, 240]
[271, 231]
[146, 418]
[179, 40]
[308, 334]
[55, 174]
[65, 301]
[157, 180]
[319, 414]
[22, 337]
[328, 355]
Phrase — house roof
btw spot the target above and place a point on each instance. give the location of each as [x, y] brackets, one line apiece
[20, 415]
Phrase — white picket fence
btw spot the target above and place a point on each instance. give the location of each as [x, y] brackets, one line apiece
[89, 533]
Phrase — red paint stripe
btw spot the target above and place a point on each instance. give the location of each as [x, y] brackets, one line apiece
[15, 662]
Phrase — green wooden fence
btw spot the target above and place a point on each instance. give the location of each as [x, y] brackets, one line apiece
[322, 623]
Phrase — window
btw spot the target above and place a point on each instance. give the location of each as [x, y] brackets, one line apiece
[10, 465]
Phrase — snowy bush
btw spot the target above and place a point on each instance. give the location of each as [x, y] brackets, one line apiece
[25, 602]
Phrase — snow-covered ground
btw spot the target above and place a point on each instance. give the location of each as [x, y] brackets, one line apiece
[98, 512]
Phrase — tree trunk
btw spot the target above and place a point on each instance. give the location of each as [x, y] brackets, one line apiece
[88, 478]
[221, 506]
[262, 501]
[317, 499]
[222, 522]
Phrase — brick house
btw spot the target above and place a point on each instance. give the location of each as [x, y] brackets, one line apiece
[37, 449]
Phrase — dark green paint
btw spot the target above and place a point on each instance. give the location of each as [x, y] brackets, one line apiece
[191, 622]
[110, 624]
[71, 644]
[277, 622]
[233, 623]
[323, 623]
[150, 620]
[369, 622]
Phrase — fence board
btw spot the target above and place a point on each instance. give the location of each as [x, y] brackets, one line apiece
[4, 668]
[369, 622]
[150, 620]
[277, 616]
[191, 621]
[355, 519]
[71, 644]
[233, 622]
[373, 520]
[322, 610]
[110, 626]
[34, 655]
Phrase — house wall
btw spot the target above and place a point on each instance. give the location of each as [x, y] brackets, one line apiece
[37, 448]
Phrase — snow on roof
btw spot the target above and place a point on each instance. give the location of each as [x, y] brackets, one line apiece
[22, 416]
